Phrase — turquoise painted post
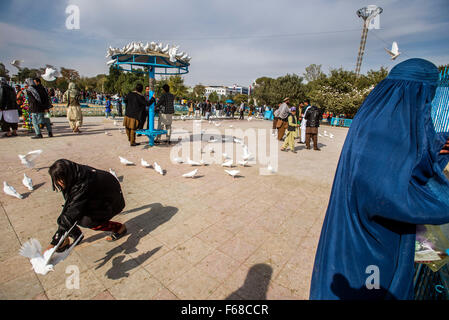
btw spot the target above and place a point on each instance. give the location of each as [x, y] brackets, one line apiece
[151, 109]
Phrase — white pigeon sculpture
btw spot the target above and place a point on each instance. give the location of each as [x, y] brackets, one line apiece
[50, 74]
[232, 173]
[165, 49]
[27, 182]
[28, 159]
[172, 52]
[394, 52]
[43, 263]
[111, 62]
[9, 190]
[227, 163]
[158, 169]
[144, 164]
[125, 161]
[190, 174]
[113, 173]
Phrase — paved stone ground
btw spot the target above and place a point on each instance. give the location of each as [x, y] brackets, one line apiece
[213, 237]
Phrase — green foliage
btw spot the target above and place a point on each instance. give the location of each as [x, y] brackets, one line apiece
[213, 97]
[239, 98]
[272, 91]
[199, 90]
[313, 72]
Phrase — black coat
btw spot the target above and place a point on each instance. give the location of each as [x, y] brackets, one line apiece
[92, 197]
[313, 117]
[135, 105]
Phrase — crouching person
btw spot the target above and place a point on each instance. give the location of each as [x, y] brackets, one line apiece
[92, 198]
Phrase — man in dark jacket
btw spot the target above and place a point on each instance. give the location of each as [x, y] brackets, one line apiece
[9, 115]
[166, 108]
[39, 106]
[313, 117]
[92, 197]
[135, 106]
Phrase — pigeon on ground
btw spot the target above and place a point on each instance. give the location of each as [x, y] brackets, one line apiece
[115, 123]
[28, 159]
[237, 140]
[144, 163]
[158, 169]
[331, 135]
[213, 140]
[125, 161]
[190, 174]
[233, 173]
[226, 157]
[394, 52]
[217, 124]
[44, 262]
[9, 190]
[270, 169]
[193, 163]
[27, 182]
[231, 126]
[178, 160]
[227, 163]
[243, 163]
[246, 154]
[113, 173]
[250, 118]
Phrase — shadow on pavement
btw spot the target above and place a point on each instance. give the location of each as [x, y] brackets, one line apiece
[256, 284]
[138, 227]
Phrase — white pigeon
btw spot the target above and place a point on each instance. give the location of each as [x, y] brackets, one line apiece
[193, 163]
[270, 169]
[178, 160]
[243, 163]
[16, 63]
[246, 154]
[144, 163]
[122, 130]
[107, 133]
[110, 62]
[125, 161]
[217, 124]
[9, 190]
[213, 140]
[231, 126]
[233, 173]
[227, 163]
[113, 173]
[319, 135]
[225, 155]
[237, 140]
[325, 133]
[190, 174]
[115, 123]
[394, 52]
[50, 74]
[28, 159]
[331, 135]
[27, 182]
[250, 118]
[44, 263]
[158, 169]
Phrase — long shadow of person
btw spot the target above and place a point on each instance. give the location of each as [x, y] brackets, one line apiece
[342, 289]
[138, 227]
[256, 284]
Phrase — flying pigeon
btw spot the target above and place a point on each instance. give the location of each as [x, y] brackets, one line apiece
[9, 190]
[113, 173]
[158, 168]
[125, 161]
[50, 74]
[16, 63]
[394, 52]
[233, 173]
[193, 163]
[28, 159]
[44, 263]
[144, 163]
[227, 163]
[27, 182]
[190, 174]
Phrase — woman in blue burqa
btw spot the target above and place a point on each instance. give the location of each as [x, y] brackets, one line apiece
[388, 180]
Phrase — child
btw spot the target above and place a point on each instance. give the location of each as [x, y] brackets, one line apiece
[291, 131]
[108, 107]
[92, 197]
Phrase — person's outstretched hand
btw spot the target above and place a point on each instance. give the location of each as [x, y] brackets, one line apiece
[445, 149]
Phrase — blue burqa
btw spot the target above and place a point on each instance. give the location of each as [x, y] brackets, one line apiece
[388, 180]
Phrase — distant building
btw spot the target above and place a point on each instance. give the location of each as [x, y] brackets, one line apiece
[226, 91]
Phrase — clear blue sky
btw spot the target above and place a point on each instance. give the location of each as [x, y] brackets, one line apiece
[229, 41]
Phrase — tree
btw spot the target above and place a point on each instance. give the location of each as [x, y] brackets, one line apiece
[213, 97]
[239, 98]
[70, 74]
[313, 72]
[199, 90]
[26, 73]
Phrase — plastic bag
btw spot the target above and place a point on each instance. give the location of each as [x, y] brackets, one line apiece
[432, 245]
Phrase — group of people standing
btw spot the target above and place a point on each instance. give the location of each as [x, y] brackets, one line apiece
[136, 112]
[301, 122]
